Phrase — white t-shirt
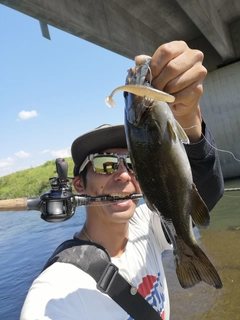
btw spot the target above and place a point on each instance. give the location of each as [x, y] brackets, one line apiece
[64, 292]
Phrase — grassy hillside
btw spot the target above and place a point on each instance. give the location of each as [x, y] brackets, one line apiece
[31, 182]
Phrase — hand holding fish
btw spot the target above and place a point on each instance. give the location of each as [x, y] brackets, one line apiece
[178, 70]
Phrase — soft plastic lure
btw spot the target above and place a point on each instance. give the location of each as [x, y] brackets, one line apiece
[142, 91]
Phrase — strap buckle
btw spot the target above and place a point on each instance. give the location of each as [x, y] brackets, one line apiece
[107, 278]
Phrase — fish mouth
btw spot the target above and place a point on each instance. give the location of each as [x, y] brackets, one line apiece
[139, 109]
[144, 112]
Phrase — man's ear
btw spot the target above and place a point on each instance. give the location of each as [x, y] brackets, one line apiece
[78, 184]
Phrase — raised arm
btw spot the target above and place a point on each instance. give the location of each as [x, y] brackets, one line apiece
[178, 70]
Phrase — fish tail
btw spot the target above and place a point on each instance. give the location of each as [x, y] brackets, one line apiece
[196, 267]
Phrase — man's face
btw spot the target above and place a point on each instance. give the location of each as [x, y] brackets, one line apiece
[119, 183]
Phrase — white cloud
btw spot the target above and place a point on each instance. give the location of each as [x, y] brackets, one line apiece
[22, 154]
[63, 153]
[4, 163]
[24, 115]
[46, 151]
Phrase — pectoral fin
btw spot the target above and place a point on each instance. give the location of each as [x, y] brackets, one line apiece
[199, 213]
[171, 130]
[181, 133]
[176, 131]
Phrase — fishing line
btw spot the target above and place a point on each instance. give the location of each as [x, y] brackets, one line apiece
[225, 195]
[220, 150]
[150, 75]
[226, 151]
[190, 127]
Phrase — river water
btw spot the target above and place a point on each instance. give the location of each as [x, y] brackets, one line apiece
[26, 241]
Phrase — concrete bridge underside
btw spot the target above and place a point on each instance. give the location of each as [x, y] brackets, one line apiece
[132, 27]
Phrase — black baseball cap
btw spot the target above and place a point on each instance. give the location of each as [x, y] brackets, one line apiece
[103, 137]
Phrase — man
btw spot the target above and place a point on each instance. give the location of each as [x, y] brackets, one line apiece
[133, 236]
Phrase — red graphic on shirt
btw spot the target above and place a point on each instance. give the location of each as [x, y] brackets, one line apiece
[151, 290]
[147, 285]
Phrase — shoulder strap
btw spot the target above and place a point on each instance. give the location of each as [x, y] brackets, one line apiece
[95, 260]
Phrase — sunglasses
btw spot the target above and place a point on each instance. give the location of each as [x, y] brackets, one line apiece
[107, 163]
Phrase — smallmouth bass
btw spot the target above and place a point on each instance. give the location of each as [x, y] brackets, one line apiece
[155, 143]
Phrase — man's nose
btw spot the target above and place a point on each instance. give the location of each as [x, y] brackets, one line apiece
[123, 170]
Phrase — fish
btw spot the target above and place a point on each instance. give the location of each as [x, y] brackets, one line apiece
[155, 142]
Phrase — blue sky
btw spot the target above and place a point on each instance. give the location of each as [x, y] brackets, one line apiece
[51, 91]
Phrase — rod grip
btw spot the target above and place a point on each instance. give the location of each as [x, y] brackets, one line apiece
[19, 204]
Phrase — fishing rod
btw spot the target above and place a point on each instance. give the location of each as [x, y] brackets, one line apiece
[59, 203]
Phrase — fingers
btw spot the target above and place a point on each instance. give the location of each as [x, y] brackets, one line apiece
[166, 57]
[187, 99]
[174, 66]
[187, 112]
[196, 73]
[141, 58]
[178, 70]
[180, 66]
